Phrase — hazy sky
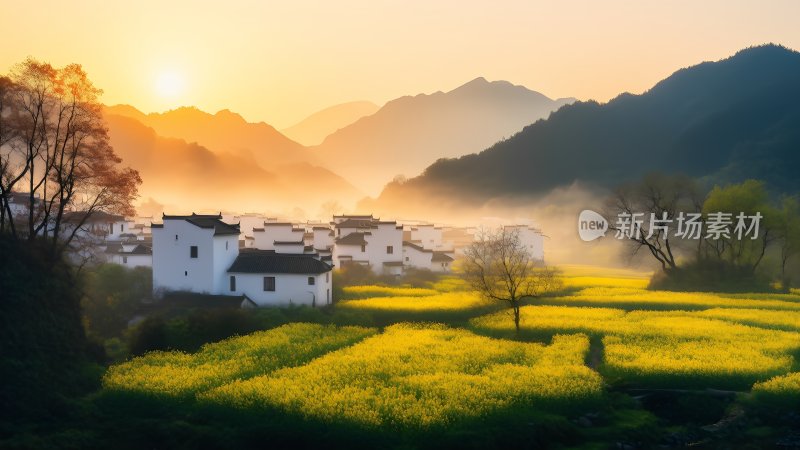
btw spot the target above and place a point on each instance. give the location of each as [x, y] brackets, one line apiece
[279, 61]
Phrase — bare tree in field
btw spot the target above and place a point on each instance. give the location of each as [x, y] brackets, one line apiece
[500, 267]
[58, 153]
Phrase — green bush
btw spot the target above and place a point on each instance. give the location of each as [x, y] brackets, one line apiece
[706, 275]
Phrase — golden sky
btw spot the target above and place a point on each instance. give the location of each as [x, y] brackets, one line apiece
[280, 61]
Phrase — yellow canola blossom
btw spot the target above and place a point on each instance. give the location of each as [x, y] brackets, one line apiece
[783, 389]
[451, 301]
[635, 298]
[180, 374]
[423, 375]
[670, 348]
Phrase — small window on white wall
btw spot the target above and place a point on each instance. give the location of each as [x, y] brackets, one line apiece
[312, 281]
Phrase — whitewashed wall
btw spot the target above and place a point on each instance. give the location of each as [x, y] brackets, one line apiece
[289, 289]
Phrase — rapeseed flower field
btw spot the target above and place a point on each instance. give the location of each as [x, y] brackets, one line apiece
[421, 375]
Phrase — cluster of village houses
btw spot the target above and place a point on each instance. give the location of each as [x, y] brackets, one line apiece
[268, 262]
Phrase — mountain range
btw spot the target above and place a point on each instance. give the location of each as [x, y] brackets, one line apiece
[224, 131]
[315, 128]
[191, 176]
[721, 122]
[409, 133]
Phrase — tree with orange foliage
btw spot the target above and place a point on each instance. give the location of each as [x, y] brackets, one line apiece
[59, 153]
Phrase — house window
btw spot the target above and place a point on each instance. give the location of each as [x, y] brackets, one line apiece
[327, 276]
[193, 251]
[389, 249]
[233, 283]
[406, 258]
[186, 273]
[124, 260]
[363, 248]
[112, 228]
[176, 237]
[269, 284]
[226, 245]
[328, 296]
[312, 281]
[121, 227]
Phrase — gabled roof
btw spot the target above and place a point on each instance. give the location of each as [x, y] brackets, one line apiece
[353, 216]
[268, 261]
[93, 217]
[352, 239]
[140, 249]
[441, 257]
[357, 223]
[208, 221]
[415, 246]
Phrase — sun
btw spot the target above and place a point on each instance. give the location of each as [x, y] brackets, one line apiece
[170, 84]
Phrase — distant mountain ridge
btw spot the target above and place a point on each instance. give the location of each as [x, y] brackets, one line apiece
[188, 174]
[409, 133]
[224, 131]
[719, 121]
[315, 128]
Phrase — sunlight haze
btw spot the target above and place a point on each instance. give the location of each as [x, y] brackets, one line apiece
[279, 62]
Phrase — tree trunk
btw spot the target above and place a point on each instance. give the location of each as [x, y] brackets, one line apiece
[516, 318]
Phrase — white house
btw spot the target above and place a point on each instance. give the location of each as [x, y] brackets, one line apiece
[192, 253]
[427, 235]
[368, 241]
[414, 255]
[97, 225]
[200, 253]
[530, 237]
[130, 254]
[269, 278]
[441, 262]
[270, 232]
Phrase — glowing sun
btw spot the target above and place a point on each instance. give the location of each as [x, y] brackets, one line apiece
[170, 84]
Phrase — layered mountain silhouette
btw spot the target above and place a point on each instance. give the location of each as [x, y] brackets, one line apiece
[194, 177]
[409, 133]
[224, 131]
[315, 128]
[719, 121]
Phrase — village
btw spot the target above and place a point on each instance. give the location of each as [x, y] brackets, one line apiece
[264, 260]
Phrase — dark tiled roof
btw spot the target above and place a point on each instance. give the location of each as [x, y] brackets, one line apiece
[93, 217]
[352, 239]
[393, 263]
[441, 257]
[357, 223]
[415, 246]
[267, 261]
[322, 228]
[353, 216]
[288, 242]
[208, 221]
[140, 250]
[278, 224]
